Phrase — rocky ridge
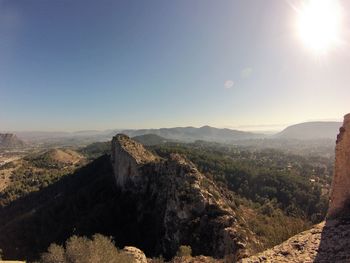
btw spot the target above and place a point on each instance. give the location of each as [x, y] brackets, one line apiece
[188, 208]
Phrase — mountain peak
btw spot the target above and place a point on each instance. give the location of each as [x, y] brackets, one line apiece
[189, 208]
[123, 143]
[310, 131]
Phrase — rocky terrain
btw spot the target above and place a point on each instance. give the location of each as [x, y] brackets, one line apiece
[340, 195]
[9, 140]
[192, 209]
[158, 204]
[155, 204]
[187, 207]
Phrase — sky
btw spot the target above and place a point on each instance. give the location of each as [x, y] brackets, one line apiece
[69, 65]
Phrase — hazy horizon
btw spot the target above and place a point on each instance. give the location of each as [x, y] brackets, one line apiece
[265, 128]
[97, 65]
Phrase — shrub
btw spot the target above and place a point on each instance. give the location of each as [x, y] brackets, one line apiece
[158, 260]
[84, 250]
[184, 251]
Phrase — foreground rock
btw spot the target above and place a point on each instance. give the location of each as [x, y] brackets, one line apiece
[136, 254]
[326, 242]
[186, 207]
[340, 196]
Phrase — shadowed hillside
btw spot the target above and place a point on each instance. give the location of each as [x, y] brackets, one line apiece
[9, 140]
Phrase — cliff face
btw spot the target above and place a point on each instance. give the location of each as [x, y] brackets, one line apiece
[186, 207]
[340, 195]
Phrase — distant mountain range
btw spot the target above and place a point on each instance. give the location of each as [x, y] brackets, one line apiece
[190, 134]
[151, 139]
[302, 131]
[184, 134]
[9, 140]
[310, 131]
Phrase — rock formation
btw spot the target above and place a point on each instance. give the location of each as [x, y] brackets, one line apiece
[186, 207]
[340, 194]
[326, 242]
[137, 255]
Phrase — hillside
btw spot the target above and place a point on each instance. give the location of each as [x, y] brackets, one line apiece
[96, 149]
[151, 139]
[310, 131]
[56, 158]
[65, 156]
[9, 140]
[190, 202]
[189, 134]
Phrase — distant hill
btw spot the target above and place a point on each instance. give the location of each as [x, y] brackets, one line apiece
[184, 134]
[10, 140]
[191, 134]
[151, 139]
[68, 138]
[310, 131]
[56, 158]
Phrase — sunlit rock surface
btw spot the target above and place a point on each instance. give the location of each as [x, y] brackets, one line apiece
[340, 194]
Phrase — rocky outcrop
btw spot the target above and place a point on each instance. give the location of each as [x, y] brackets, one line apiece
[340, 194]
[9, 140]
[186, 207]
[324, 243]
[136, 254]
[127, 157]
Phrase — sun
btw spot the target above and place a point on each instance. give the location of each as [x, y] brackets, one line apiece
[319, 24]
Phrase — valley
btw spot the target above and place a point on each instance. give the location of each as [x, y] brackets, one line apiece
[50, 193]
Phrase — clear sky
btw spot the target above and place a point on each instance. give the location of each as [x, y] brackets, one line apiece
[82, 64]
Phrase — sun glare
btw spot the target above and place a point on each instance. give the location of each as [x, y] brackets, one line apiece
[319, 24]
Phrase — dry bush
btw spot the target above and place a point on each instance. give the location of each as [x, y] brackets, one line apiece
[99, 249]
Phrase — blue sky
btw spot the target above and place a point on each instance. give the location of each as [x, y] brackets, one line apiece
[82, 64]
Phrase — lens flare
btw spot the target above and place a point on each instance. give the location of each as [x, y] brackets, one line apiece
[319, 24]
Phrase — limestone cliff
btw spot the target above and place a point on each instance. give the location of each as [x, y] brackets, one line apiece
[340, 194]
[187, 208]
